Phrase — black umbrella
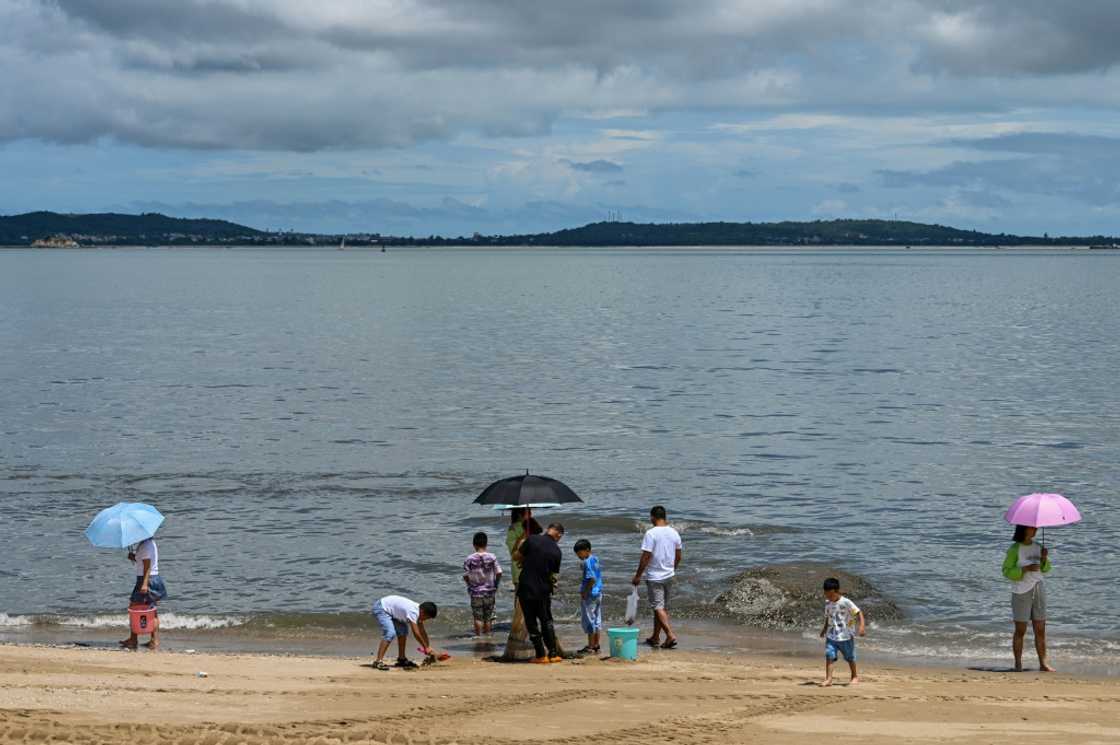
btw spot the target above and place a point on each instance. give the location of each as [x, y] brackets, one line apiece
[527, 491]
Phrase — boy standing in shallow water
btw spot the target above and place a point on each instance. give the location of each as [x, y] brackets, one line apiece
[482, 573]
[839, 619]
[590, 593]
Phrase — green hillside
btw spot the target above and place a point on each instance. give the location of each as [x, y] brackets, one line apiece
[114, 228]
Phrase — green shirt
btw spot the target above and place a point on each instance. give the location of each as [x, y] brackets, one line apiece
[513, 535]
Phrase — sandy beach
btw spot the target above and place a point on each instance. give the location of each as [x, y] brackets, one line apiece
[101, 696]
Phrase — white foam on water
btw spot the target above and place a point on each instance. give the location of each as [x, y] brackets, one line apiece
[959, 643]
[685, 526]
[166, 621]
[7, 621]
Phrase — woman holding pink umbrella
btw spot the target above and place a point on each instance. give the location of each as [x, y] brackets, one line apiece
[1025, 563]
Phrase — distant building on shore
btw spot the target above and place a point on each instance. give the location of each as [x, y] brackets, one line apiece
[55, 241]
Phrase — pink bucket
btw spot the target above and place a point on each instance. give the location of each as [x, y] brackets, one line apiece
[143, 618]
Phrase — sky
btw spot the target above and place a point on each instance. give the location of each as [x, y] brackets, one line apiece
[419, 117]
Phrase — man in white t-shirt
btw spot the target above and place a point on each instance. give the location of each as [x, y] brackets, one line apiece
[661, 555]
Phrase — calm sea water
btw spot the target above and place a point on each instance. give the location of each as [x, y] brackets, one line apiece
[315, 424]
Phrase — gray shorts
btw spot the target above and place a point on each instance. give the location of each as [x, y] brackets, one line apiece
[1029, 606]
[659, 593]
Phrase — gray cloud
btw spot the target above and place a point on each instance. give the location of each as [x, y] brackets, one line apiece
[1078, 167]
[593, 166]
[292, 75]
[1019, 37]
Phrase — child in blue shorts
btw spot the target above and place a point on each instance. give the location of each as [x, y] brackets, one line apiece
[840, 616]
[591, 594]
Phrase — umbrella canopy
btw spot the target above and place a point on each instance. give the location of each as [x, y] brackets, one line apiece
[124, 524]
[527, 491]
[1042, 511]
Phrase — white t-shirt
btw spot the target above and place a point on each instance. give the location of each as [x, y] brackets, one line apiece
[401, 608]
[147, 550]
[663, 542]
[1028, 554]
[841, 619]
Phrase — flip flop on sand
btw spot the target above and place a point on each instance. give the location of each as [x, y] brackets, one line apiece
[379, 665]
[669, 644]
[651, 642]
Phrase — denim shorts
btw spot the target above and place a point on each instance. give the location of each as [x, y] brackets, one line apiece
[157, 591]
[591, 614]
[832, 648]
[391, 628]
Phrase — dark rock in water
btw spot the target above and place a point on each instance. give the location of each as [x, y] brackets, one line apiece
[790, 596]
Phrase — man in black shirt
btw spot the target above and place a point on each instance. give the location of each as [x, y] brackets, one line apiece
[540, 563]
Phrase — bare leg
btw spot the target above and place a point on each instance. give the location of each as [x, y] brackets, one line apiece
[478, 627]
[131, 642]
[593, 640]
[382, 648]
[486, 628]
[1017, 644]
[1040, 646]
[855, 674]
[827, 672]
[402, 640]
[153, 642]
[656, 635]
[662, 616]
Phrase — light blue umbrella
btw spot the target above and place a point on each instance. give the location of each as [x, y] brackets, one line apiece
[124, 524]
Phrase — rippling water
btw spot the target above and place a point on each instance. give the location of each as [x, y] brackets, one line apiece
[315, 424]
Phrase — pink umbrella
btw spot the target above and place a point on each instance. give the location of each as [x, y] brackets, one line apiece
[1042, 511]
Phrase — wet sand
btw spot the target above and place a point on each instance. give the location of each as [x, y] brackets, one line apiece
[102, 696]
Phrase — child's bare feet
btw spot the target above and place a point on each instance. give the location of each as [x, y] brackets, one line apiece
[128, 644]
[854, 681]
[153, 644]
[1045, 668]
[827, 683]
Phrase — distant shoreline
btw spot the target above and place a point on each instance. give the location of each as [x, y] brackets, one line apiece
[55, 230]
[545, 247]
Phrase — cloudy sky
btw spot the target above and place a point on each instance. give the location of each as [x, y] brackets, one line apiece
[418, 116]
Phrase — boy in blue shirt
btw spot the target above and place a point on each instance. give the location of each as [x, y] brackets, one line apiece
[590, 593]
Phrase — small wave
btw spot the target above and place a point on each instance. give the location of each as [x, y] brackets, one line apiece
[957, 643]
[167, 620]
[590, 525]
[688, 526]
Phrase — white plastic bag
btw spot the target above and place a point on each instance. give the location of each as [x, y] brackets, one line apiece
[632, 606]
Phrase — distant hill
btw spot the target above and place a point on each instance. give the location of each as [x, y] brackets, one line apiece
[113, 228]
[818, 232]
[157, 229]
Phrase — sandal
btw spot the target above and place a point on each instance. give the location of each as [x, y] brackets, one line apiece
[588, 650]
[379, 665]
[669, 644]
[406, 664]
[651, 642]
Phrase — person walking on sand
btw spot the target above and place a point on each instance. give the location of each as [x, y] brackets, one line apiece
[840, 616]
[149, 587]
[540, 564]
[661, 555]
[1024, 564]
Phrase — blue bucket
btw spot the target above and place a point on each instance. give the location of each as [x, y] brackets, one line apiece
[624, 643]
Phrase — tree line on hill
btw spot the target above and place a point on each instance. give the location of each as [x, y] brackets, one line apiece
[157, 229]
